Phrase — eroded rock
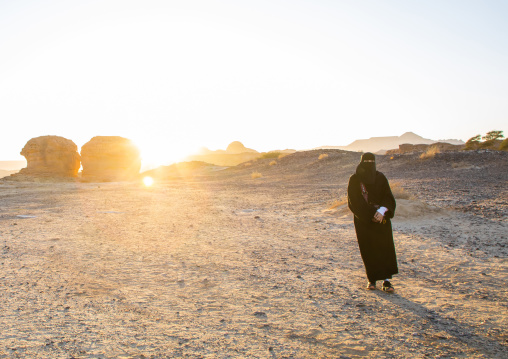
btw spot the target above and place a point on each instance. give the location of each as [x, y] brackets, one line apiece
[110, 158]
[51, 156]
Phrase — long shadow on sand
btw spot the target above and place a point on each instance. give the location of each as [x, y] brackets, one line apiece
[460, 332]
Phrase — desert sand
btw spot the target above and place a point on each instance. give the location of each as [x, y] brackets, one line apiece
[223, 265]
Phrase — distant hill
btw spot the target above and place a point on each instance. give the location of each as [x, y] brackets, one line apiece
[383, 144]
[234, 154]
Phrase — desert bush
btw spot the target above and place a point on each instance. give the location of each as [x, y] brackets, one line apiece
[430, 153]
[473, 139]
[489, 144]
[273, 163]
[270, 155]
[399, 192]
[282, 155]
[473, 143]
[504, 145]
[323, 155]
[255, 175]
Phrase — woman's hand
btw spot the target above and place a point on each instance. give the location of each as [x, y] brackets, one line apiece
[378, 217]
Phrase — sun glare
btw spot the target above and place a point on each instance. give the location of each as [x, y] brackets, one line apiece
[154, 155]
[148, 181]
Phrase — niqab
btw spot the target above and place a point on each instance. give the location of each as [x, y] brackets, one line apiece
[366, 170]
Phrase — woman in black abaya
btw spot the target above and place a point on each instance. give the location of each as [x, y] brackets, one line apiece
[372, 203]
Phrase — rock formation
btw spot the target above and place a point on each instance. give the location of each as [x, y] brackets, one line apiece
[51, 156]
[236, 147]
[110, 158]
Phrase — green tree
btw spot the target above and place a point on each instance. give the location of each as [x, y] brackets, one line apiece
[493, 135]
[475, 139]
[473, 143]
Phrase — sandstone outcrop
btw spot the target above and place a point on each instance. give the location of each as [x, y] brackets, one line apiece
[51, 156]
[237, 147]
[110, 158]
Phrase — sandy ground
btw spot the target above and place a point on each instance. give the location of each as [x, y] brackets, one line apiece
[239, 269]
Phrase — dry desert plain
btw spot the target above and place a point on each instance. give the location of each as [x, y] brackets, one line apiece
[217, 264]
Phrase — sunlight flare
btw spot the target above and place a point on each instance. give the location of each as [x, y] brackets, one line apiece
[148, 181]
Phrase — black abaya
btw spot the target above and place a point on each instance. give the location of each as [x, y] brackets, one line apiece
[374, 239]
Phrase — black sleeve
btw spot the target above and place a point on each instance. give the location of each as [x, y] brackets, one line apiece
[356, 203]
[387, 199]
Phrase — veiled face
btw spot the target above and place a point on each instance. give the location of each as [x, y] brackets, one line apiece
[368, 158]
[366, 170]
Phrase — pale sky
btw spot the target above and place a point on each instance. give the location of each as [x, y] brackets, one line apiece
[177, 75]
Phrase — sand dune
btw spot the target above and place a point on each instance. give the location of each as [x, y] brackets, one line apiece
[223, 265]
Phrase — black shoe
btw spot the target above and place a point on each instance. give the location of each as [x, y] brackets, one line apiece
[388, 287]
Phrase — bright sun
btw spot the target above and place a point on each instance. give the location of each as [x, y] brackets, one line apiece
[148, 181]
[154, 155]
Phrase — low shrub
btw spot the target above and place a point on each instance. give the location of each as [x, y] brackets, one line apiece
[489, 144]
[273, 163]
[399, 192]
[271, 155]
[504, 145]
[323, 155]
[430, 153]
[473, 143]
[255, 175]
